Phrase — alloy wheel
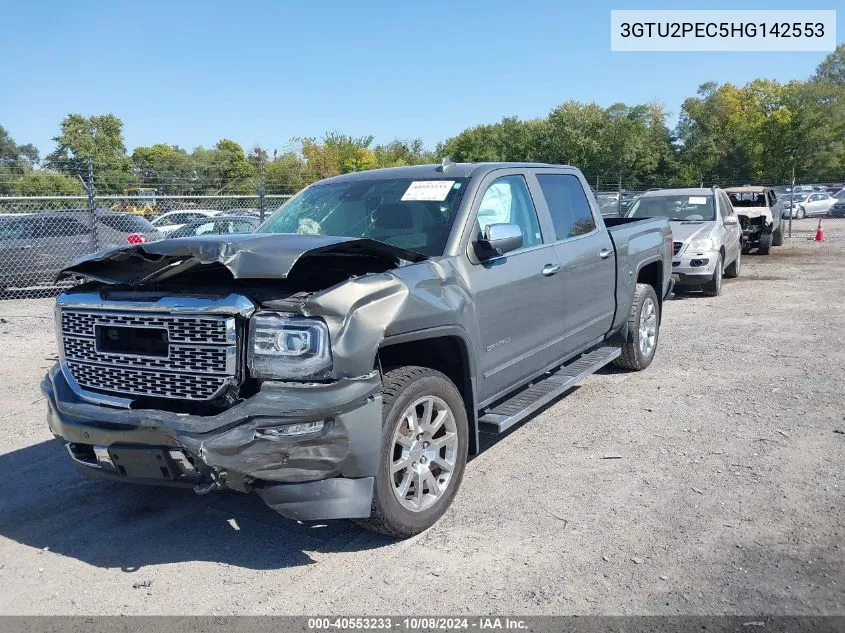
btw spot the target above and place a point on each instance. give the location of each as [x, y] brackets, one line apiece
[648, 327]
[424, 452]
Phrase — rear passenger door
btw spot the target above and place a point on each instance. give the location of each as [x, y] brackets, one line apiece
[586, 255]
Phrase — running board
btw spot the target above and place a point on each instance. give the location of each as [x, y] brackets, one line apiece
[515, 409]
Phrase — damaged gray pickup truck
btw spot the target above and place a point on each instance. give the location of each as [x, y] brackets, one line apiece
[342, 360]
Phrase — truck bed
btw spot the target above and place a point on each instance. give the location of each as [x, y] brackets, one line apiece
[638, 242]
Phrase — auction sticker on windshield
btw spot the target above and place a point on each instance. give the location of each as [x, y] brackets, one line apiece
[697, 200]
[428, 190]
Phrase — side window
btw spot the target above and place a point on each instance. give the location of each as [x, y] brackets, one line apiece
[507, 201]
[773, 199]
[63, 227]
[725, 203]
[567, 204]
[20, 229]
[242, 226]
[206, 227]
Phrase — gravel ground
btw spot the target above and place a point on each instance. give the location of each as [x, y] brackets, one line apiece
[726, 497]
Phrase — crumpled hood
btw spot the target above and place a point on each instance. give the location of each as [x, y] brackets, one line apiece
[689, 230]
[246, 256]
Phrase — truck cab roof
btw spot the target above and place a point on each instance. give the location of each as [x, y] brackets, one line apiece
[433, 171]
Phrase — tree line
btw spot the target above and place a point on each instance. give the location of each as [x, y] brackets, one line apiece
[726, 134]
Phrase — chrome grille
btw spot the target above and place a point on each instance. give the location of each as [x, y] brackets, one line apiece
[146, 383]
[677, 248]
[180, 329]
[199, 359]
[201, 354]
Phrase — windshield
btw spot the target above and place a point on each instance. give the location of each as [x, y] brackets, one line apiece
[412, 214]
[674, 207]
[748, 199]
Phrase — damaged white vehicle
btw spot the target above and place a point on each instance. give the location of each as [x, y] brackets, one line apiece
[760, 215]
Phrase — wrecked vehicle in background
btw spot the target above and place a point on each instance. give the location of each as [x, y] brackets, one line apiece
[342, 361]
[760, 214]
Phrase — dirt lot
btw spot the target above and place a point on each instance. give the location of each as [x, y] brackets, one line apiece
[727, 496]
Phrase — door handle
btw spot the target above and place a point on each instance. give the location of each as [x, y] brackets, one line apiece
[551, 269]
[604, 253]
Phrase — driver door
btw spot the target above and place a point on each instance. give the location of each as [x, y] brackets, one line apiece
[518, 296]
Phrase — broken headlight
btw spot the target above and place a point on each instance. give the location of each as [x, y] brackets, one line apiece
[285, 347]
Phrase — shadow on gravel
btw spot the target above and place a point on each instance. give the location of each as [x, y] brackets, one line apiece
[47, 504]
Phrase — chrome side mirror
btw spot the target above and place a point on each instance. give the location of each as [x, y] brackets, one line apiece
[498, 239]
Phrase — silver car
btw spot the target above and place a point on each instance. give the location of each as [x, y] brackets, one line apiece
[707, 237]
[808, 205]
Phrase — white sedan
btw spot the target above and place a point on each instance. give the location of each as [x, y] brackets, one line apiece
[808, 205]
[173, 220]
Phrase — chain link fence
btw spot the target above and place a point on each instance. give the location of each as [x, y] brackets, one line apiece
[41, 235]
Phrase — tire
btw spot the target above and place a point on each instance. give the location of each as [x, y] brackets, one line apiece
[732, 271]
[777, 236]
[633, 355]
[801, 214]
[713, 288]
[764, 245]
[407, 390]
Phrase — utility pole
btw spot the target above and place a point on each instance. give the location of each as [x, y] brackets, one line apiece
[619, 196]
[262, 190]
[791, 198]
[88, 183]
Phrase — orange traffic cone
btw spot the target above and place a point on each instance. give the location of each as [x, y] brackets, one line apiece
[819, 233]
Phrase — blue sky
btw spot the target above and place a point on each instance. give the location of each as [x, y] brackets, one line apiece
[189, 73]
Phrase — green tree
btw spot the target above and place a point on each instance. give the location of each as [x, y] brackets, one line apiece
[832, 69]
[285, 174]
[223, 169]
[42, 182]
[98, 139]
[398, 152]
[15, 161]
[168, 168]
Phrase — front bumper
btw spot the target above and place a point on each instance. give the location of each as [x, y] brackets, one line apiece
[694, 268]
[321, 475]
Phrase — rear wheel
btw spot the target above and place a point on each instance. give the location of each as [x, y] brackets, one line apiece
[424, 450]
[732, 271]
[765, 243]
[713, 288]
[643, 330]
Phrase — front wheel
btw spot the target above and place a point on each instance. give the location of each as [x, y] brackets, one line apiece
[643, 330]
[777, 237]
[713, 288]
[801, 214]
[764, 245]
[425, 436]
[732, 271]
